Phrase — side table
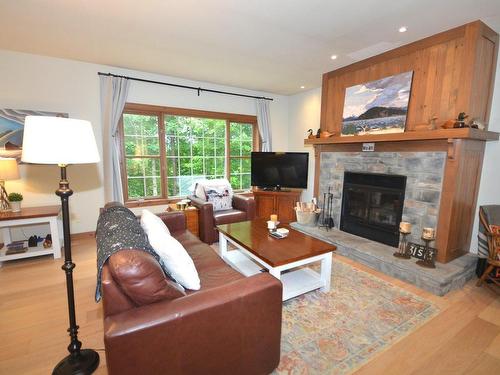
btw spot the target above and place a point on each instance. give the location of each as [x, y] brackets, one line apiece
[28, 216]
[191, 214]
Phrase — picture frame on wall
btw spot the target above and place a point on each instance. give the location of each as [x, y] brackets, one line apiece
[377, 107]
[12, 129]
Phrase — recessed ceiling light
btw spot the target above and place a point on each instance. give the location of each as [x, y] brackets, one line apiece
[302, 87]
[403, 29]
[333, 57]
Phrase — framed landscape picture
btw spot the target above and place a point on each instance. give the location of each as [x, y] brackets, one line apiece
[12, 130]
[377, 107]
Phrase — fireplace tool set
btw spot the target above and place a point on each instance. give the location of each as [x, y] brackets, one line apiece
[326, 218]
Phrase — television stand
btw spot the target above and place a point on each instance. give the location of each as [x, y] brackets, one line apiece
[275, 188]
[279, 202]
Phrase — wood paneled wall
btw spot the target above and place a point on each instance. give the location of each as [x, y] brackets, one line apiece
[452, 72]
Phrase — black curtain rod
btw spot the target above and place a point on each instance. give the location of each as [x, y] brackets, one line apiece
[198, 89]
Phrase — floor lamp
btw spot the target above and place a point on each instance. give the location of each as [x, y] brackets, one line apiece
[62, 141]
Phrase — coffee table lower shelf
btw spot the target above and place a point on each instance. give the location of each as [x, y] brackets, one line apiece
[296, 281]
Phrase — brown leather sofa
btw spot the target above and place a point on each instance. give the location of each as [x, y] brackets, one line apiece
[243, 209]
[232, 325]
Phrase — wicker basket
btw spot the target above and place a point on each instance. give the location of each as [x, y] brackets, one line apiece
[307, 218]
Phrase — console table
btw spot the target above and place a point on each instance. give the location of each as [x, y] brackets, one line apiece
[28, 216]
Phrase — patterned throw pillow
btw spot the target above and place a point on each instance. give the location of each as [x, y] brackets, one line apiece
[218, 192]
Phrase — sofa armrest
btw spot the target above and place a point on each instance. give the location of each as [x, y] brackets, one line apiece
[175, 221]
[246, 204]
[206, 218]
[234, 328]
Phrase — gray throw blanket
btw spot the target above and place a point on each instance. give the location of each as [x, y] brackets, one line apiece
[119, 229]
[492, 215]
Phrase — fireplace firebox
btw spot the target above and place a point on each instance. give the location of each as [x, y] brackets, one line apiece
[372, 206]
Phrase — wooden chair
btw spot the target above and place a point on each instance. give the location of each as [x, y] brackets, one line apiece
[493, 251]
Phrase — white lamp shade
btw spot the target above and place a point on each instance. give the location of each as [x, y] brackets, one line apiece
[58, 140]
[8, 169]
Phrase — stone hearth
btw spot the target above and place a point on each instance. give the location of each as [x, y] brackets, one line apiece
[444, 278]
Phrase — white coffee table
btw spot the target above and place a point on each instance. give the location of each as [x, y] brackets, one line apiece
[286, 259]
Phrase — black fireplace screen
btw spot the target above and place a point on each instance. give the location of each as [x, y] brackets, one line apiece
[372, 206]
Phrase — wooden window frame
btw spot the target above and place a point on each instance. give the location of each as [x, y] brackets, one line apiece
[160, 112]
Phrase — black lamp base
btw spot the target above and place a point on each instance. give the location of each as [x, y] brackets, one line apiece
[83, 362]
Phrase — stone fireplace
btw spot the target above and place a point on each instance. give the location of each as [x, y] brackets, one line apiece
[413, 180]
[372, 206]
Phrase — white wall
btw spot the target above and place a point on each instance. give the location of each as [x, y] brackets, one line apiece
[489, 190]
[51, 84]
[304, 113]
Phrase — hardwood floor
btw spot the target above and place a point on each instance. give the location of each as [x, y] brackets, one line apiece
[464, 338]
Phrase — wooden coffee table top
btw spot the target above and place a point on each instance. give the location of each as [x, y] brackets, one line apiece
[254, 237]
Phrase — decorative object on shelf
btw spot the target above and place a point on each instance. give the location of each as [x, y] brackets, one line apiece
[377, 107]
[326, 219]
[477, 124]
[318, 133]
[429, 254]
[448, 124]
[63, 141]
[13, 123]
[15, 200]
[33, 241]
[47, 243]
[460, 122]
[183, 204]
[403, 250]
[432, 123]
[326, 134]
[16, 247]
[8, 171]
[310, 134]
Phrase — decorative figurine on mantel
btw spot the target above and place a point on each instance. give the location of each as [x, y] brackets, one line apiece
[428, 261]
[432, 122]
[310, 134]
[460, 123]
[403, 250]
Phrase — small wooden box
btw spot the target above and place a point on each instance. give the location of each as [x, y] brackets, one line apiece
[191, 214]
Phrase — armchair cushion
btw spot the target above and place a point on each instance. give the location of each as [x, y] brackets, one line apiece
[229, 216]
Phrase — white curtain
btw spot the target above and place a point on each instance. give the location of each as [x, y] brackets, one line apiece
[264, 123]
[114, 92]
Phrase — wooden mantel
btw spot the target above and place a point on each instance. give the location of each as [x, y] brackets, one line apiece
[453, 72]
[463, 133]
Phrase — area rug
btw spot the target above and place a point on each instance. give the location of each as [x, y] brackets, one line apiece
[338, 332]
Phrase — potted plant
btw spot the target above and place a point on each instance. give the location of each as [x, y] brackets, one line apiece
[15, 201]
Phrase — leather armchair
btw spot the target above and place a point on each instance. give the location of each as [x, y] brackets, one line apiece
[243, 209]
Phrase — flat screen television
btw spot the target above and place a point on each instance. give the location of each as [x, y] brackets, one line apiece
[274, 170]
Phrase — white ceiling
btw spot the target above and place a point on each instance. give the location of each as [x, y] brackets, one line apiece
[267, 45]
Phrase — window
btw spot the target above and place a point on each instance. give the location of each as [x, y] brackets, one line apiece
[164, 150]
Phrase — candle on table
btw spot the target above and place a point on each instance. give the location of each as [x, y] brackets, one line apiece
[274, 217]
[428, 233]
[405, 227]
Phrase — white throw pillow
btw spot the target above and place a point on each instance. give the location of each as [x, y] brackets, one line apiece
[177, 261]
